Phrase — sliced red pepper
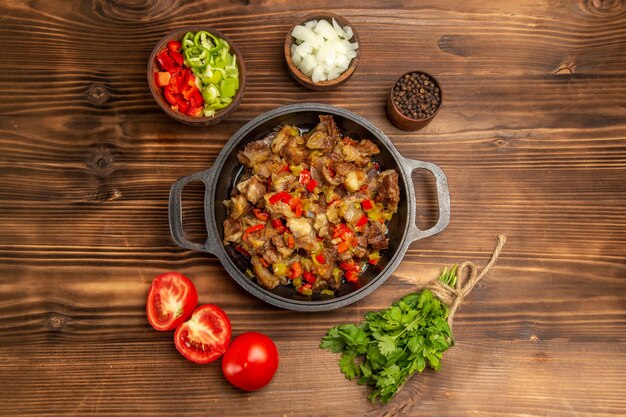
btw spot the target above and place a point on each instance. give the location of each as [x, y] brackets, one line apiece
[194, 111]
[162, 78]
[174, 81]
[351, 276]
[303, 287]
[320, 258]
[241, 250]
[196, 99]
[170, 96]
[183, 106]
[284, 168]
[347, 265]
[296, 206]
[291, 242]
[188, 91]
[177, 57]
[263, 263]
[311, 185]
[362, 221]
[283, 196]
[367, 204]
[373, 261]
[261, 215]
[309, 277]
[295, 270]
[342, 247]
[252, 229]
[305, 176]
[165, 61]
[174, 46]
[339, 230]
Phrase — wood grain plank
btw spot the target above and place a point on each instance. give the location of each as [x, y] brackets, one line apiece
[532, 136]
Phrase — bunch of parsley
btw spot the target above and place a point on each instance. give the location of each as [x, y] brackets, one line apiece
[391, 345]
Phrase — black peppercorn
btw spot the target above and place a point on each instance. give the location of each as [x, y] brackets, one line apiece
[416, 96]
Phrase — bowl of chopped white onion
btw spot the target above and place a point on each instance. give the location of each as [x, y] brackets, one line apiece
[322, 51]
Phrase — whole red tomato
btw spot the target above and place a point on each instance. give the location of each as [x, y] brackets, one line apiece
[251, 361]
[171, 301]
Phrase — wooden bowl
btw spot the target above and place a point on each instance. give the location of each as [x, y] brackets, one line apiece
[307, 81]
[157, 92]
[408, 123]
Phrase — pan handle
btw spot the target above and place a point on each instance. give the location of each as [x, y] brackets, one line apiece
[443, 198]
[176, 211]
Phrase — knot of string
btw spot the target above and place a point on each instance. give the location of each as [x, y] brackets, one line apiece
[453, 296]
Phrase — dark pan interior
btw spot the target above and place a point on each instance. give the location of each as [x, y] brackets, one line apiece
[231, 169]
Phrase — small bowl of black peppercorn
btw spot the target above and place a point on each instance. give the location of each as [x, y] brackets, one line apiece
[414, 100]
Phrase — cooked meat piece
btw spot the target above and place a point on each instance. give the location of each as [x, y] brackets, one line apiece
[320, 140]
[303, 232]
[294, 151]
[367, 147]
[299, 227]
[265, 277]
[332, 212]
[233, 230]
[343, 168]
[265, 169]
[388, 190]
[359, 153]
[321, 225]
[376, 236]
[254, 189]
[256, 152]
[279, 243]
[329, 127]
[238, 206]
[281, 139]
[270, 254]
[328, 176]
[283, 181]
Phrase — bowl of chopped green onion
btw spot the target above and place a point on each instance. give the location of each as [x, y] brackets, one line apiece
[197, 75]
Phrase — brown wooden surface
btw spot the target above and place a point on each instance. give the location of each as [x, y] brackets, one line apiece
[532, 136]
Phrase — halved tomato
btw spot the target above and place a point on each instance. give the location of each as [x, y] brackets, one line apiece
[171, 301]
[205, 336]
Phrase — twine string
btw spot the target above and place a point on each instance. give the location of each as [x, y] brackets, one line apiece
[454, 296]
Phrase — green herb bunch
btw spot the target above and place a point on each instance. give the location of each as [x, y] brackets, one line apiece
[391, 345]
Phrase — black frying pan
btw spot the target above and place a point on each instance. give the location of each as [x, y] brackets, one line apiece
[221, 177]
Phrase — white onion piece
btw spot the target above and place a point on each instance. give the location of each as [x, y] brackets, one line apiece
[302, 33]
[348, 31]
[340, 32]
[317, 74]
[333, 74]
[322, 50]
[307, 65]
[326, 30]
[304, 49]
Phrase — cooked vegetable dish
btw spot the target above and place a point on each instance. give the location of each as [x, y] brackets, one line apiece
[310, 209]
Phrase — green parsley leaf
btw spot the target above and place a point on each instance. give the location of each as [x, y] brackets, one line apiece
[391, 345]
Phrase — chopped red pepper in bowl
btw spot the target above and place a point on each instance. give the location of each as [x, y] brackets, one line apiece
[197, 75]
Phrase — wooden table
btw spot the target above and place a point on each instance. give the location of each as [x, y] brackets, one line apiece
[532, 136]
